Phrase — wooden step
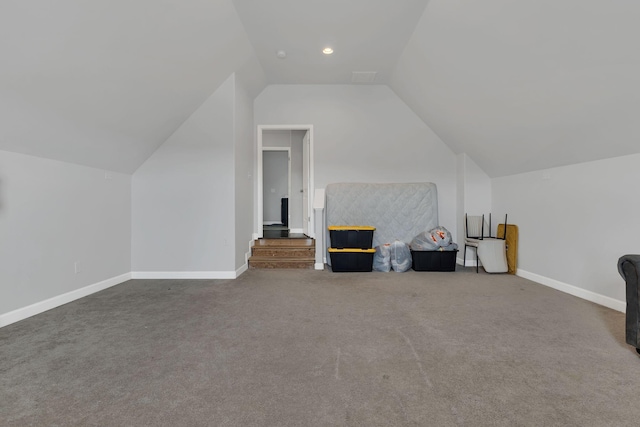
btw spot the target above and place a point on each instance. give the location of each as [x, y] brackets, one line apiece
[285, 242]
[284, 251]
[271, 262]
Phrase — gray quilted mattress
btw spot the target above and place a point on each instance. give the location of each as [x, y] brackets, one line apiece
[398, 211]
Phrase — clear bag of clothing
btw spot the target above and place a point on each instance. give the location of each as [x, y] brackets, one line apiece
[382, 258]
[400, 256]
[436, 239]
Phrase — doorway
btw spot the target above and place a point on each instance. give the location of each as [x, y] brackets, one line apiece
[296, 142]
[276, 188]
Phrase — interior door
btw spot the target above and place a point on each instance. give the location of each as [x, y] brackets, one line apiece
[305, 185]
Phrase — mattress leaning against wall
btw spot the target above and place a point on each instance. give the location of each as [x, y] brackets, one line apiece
[399, 211]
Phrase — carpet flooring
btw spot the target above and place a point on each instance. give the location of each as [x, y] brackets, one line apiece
[315, 348]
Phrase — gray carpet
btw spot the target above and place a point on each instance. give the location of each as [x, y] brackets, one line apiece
[315, 348]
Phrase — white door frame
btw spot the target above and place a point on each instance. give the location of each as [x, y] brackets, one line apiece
[282, 150]
[310, 189]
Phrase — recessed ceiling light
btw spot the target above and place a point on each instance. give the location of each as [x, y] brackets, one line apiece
[327, 51]
[281, 54]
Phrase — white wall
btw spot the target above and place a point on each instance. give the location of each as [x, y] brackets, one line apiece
[575, 222]
[474, 198]
[52, 215]
[460, 159]
[477, 189]
[276, 138]
[245, 156]
[364, 134]
[183, 195]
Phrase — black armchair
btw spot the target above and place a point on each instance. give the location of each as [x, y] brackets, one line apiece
[629, 269]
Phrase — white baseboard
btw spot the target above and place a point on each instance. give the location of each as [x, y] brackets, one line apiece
[57, 301]
[606, 301]
[296, 230]
[247, 255]
[244, 267]
[183, 275]
[319, 266]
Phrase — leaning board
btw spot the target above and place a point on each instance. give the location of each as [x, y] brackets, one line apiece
[512, 246]
[398, 211]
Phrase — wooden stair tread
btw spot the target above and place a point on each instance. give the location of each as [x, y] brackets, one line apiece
[287, 259]
[283, 250]
[273, 263]
[286, 242]
[284, 247]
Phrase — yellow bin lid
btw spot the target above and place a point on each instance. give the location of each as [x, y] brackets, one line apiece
[351, 227]
[352, 250]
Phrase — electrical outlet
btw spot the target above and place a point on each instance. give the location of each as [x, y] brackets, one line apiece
[76, 267]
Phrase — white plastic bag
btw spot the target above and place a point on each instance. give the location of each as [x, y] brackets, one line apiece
[424, 242]
[382, 258]
[436, 239]
[400, 256]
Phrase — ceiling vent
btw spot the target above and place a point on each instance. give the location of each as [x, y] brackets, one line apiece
[363, 76]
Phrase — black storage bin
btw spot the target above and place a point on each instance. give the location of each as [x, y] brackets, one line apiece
[351, 260]
[351, 236]
[434, 260]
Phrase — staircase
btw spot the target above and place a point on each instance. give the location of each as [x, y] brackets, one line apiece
[283, 253]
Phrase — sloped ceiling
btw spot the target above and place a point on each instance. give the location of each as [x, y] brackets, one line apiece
[103, 83]
[526, 85]
[517, 85]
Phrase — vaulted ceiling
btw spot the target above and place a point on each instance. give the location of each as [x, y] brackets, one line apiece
[103, 83]
[518, 86]
[526, 85]
[366, 35]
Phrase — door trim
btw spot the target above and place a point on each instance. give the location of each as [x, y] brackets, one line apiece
[259, 180]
